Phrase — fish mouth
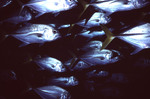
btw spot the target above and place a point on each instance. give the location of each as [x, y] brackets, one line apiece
[57, 36]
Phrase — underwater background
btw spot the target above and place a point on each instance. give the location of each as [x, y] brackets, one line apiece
[66, 54]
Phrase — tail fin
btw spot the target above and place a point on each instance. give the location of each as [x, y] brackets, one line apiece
[109, 38]
[85, 5]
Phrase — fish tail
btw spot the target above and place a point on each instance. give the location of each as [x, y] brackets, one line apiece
[109, 38]
[85, 5]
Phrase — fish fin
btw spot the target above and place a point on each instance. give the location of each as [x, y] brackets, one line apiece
[85, 5]
[136, 51]
[70, 28]
[22, 6]
[73, 61]
[41, 13]
[24, 44]
[109, 38]
[56, 14]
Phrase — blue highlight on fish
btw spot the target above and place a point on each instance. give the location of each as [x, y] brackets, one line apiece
[36, 33]
[50, 6]
[52, 92]
[50, 64]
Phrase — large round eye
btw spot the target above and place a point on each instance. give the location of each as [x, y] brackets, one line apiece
[54, 31]
[97, 20]
[70, 0]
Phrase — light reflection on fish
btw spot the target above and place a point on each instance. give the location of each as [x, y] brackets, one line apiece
[91, 35]
[103, 57]
[96, 73]
[36, 33]
[119, 5]
[24, 16]
[50, 64]
[139, 41]
[64, 81]
[138, 36]
[96, 19]
[92, 45]
[52, 92]
[50, 6]
[95, 57]
[79, 66]
[4, 3]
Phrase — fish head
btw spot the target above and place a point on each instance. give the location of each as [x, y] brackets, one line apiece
[72, 81]
[50, 34]
[50, 64]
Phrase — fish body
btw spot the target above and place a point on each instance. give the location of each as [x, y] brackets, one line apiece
[79, 66]
[50, 6]
[96, 19]
[91, 35]
[119, 5]
[92, 45]
[50, 64]
[101, 57]
[96, 74]
[52, 92]
[24, 16]
[139, 41]
[36, 33]
[95, 57]
[64, 81]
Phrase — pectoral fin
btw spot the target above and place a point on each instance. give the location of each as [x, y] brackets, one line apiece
[136, 51]
[23, 44]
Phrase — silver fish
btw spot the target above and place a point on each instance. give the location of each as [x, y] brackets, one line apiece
[50, 64]
[101, 57]
[94, 73]
[138, 36]
[64, 81]
[92, 45]
[79, 66]
[24, 16]
[50, 6]
[139, 41]
[52, 92]
[119, 5]
[96, 19]
[91, 35]
[95, 57]
[36, 33]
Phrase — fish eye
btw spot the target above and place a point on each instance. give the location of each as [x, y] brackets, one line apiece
[97, 20]
[70, 0]
[54, 31]
[39, 35]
